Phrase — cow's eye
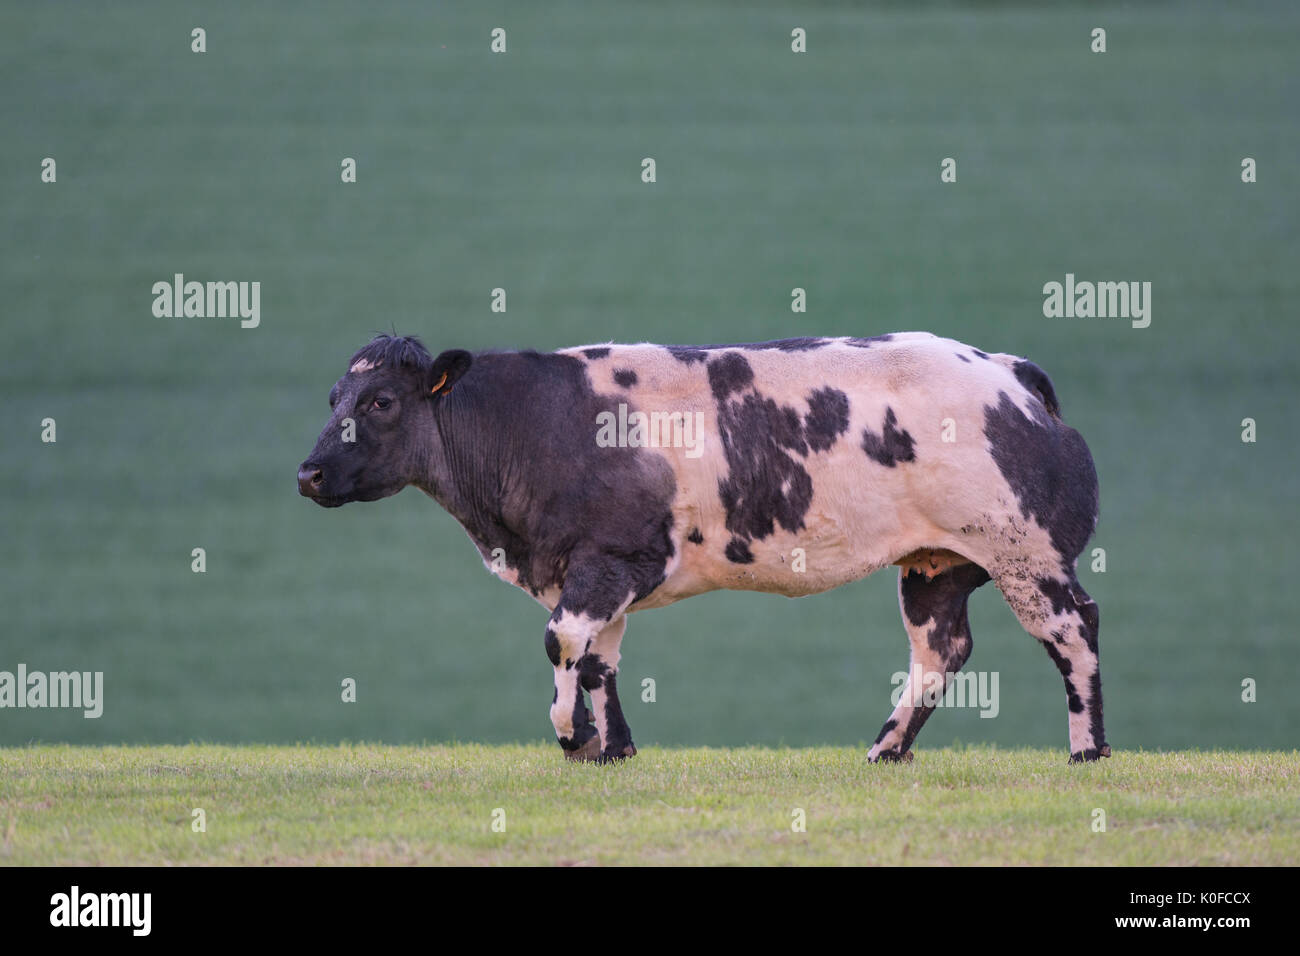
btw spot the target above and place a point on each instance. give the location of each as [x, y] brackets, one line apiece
[382, 403]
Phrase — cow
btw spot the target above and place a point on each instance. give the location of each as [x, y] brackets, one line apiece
[607, 479]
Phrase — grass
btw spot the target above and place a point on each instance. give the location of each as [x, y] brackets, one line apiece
[361, 804]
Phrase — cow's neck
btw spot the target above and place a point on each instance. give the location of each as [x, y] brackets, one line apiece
[478, 472]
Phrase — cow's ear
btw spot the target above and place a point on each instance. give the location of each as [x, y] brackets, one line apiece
[447, 369]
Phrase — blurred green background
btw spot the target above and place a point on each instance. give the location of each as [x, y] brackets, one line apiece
[522, 170]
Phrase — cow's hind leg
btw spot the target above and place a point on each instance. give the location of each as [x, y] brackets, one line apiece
[1055, 609]
[598, 673]
[934, 613]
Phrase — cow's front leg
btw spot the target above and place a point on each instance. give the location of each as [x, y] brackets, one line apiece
[598, 674]
[567, 639]
[582, 641]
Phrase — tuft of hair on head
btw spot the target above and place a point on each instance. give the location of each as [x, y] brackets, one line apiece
[392, 351]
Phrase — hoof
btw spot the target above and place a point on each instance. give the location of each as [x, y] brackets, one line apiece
[618, 756]
[1087, 756]
[586, 751]
[893, 756]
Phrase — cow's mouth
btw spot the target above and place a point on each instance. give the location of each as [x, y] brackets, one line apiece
[329, 501]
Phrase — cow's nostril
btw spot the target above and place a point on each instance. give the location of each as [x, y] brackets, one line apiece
[310, 479]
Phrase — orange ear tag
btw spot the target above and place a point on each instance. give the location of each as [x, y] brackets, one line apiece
[442, 381]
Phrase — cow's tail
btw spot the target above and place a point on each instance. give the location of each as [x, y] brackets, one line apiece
[1035, 381]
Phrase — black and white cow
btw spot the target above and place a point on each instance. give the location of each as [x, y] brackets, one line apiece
[615, 478]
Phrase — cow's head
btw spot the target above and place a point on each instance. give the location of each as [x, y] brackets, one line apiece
[382, 426]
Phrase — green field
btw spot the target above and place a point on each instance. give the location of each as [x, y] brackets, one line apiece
[437, 805]
[522, 171]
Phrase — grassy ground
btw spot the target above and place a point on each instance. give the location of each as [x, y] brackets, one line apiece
[402, 805]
